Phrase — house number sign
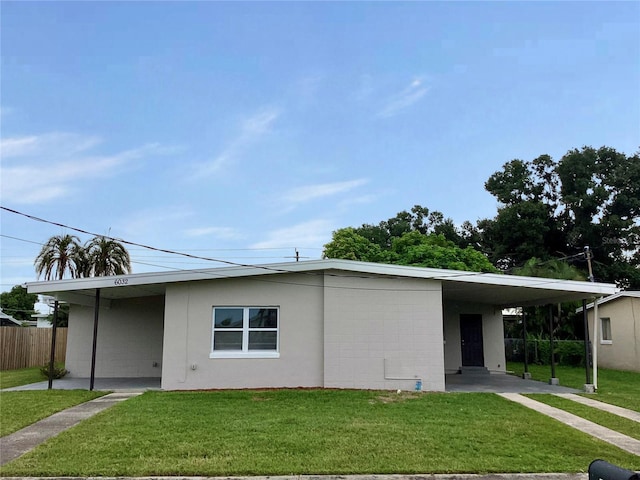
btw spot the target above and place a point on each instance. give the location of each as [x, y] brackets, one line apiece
[121, 281]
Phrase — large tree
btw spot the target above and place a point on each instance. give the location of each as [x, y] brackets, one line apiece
[61, 255]
[417, 238]
[18, 303]
[549, 209]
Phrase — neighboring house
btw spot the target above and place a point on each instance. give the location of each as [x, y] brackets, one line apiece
[7, 320]
[320, 323]
[618, 335]
[42, 320]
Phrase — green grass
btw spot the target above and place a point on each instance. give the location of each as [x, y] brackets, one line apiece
[282, 432]
[617, 387]
[606, 419]
[19, 409]
[22, 376]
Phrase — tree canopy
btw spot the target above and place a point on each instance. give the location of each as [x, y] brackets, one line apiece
[64, 255]
[410, 238]
[549, 209]
[18, 303]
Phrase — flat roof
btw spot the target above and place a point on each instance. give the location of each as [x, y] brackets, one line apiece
[490, 288]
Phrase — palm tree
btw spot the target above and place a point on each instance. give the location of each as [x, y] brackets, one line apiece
[61, 254]
[105, 256]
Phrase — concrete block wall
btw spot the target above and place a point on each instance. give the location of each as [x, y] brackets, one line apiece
[382, 333]
[189, 324]
[129, 342]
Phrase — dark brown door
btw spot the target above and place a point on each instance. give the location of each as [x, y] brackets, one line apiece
[471, 339]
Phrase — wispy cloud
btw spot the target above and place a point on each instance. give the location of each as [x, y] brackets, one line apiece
[223, 233]
[151, 223]
[312, 192]
[402, 100]
[307, 234]
[254, 127]
[52, 165]
[52, 145]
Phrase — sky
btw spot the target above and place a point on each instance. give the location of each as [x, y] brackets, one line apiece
[242, 131]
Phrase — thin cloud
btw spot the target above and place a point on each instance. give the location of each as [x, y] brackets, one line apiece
[53, 165]
[251, 130]
[303, 235]
[223, 233]
[51, 145]
[409, 96]
[312, 192]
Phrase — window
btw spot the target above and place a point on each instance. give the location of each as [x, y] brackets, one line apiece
[605, 330]
[240, 332]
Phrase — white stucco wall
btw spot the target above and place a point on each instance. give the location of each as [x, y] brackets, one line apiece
[623, 352]
[492, 335]
[129, 339]
[188, 333]
[382, 333]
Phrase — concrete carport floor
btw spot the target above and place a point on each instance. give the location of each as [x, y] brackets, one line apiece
[500, 383]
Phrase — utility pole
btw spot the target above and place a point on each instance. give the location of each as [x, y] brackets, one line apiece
[587, 254]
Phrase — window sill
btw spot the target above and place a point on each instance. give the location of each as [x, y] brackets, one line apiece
[244, 355]
[606, 342]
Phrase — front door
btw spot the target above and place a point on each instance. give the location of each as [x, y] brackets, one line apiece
[471, 340]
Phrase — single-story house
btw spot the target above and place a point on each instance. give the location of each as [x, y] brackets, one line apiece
[618, 330]
[7, 320]
[42, 320]
[318, 323]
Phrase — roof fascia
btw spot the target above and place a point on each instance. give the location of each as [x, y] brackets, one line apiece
[122, 281]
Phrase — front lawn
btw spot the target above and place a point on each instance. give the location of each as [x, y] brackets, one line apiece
[21, 376]
[19, 409]
[617, 387]
[283, 432]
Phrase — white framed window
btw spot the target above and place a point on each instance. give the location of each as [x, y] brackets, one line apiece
[605, 331]
[245, 332]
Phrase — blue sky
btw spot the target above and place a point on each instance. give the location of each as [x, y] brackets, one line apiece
[241, 130]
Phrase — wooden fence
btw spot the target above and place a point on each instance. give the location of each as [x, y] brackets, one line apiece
[22, 347]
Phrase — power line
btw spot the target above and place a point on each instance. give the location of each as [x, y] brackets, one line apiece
[141, 245]
[446, 276]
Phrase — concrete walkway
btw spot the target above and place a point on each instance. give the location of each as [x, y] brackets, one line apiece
[18, 443]
[624, 442]
[606, 407]
[106, 384]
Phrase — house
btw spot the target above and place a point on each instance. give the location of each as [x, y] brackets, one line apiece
[7, 320]
[618, 330]
[318, 323]
[42, 320]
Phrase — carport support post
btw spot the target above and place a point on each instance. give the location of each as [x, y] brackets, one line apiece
[553, 380]
[96, 311]
[526, 375]
[52, 358]
[588, 387]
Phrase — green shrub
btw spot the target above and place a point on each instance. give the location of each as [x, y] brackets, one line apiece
[566, 352]
[58, 371]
